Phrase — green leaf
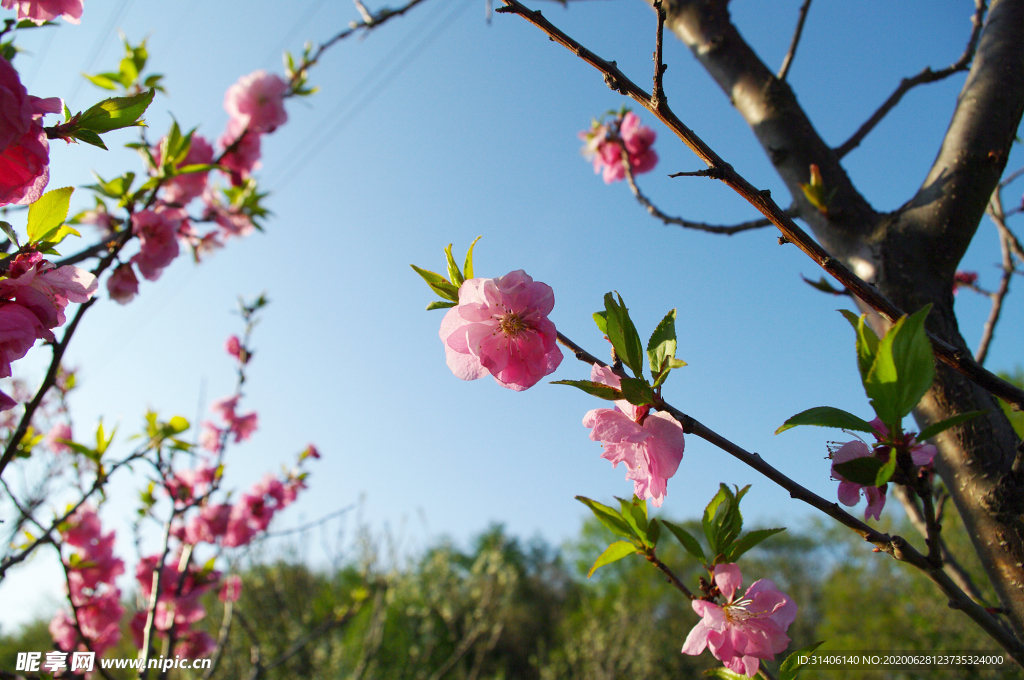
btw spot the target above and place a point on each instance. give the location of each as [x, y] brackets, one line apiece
[710, 511]
[116, 113]
[662, 345]
[634, 517]
[653, 533]
[615, 552]
[827, 416]
[608, 517]
[943, 425]
[637, 391]
[446, 290]
[886, 471]
[438, 304]
[867, 341]
[177, 425]
[102, 80]
[861, 471]
[912, 357]
[56, 235]
[595, 389]
[8, 230]
[429, 276]
[48, 213]
[791, 666]
[89, 137]
[467, 268]
[622, 334]
[453, 269]
[724, 674]
[690, 544]
[601, 319]
[748, 541]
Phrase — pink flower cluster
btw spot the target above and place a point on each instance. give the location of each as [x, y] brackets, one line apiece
[234, 525]
[41, 11]
[24, 151]
[32, 302]
[500, 327]
[240, 426]
[91, 578]
[650, 444]
[744, 630]
[605, 142]
[850, 492]
[178, 604]
[256, 106]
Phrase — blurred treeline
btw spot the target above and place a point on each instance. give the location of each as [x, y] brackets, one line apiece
[507, 609]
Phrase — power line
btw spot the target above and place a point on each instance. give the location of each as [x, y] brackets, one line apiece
[276, 52]
[101, 41]
[312, 150]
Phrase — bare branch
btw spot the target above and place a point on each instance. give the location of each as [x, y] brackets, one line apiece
[699, 226]
[925, 76]
[995, 211]
[953, 356]
[950, 563]
[788, 61]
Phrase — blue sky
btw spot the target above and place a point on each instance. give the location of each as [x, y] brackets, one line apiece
[439, 128]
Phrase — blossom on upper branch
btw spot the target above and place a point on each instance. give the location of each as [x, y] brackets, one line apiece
[41, 11]
[743, 630]
[650, 444]
[501, 327]
[604, 143]
[257, 101]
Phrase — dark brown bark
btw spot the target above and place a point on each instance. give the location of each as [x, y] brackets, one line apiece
[912, 254]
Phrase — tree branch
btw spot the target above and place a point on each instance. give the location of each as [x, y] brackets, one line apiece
[995, 211]
[896, 546]
[925, 76]
[788, 61]
[687, 224]
[955, 357]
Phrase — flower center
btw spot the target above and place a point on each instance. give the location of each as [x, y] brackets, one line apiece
[736, 612]
[512, 324]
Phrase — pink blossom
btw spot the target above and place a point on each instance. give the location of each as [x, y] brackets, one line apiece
[743, 630]
[244, 154]
[964, 278]
[196, 645]
[231, 590]
[604, 145]
[257, 101]
[231, 220]
[210, 437]
[158, 240]
[650, 444]
[24, 151]
[233, 346]
[849, 492]
[921, 455]
[241, 426]
[53, 438]
[310, 452]
[44, 289]
[209, 524]
[91, 579]
[99, 218]
[41, 11]
[184, 485]
[123, 285]
[183, 188]
[501, 327]
[19, 329]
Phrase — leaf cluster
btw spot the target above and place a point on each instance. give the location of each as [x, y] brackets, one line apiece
[448, 288]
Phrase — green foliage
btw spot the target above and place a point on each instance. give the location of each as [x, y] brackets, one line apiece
[1016, 417]
[448, 290]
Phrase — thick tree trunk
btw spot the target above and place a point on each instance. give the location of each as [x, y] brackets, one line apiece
[912, 254]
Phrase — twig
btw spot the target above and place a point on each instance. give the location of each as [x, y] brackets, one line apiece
[74, 611]
[995, 211]
[925, 76]
[954, 357]
[305, 527]
[699, 226]
[951, 564]
[672, 578]
[658, 98]
[896, 546]
[788, 61]
[368, 24]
